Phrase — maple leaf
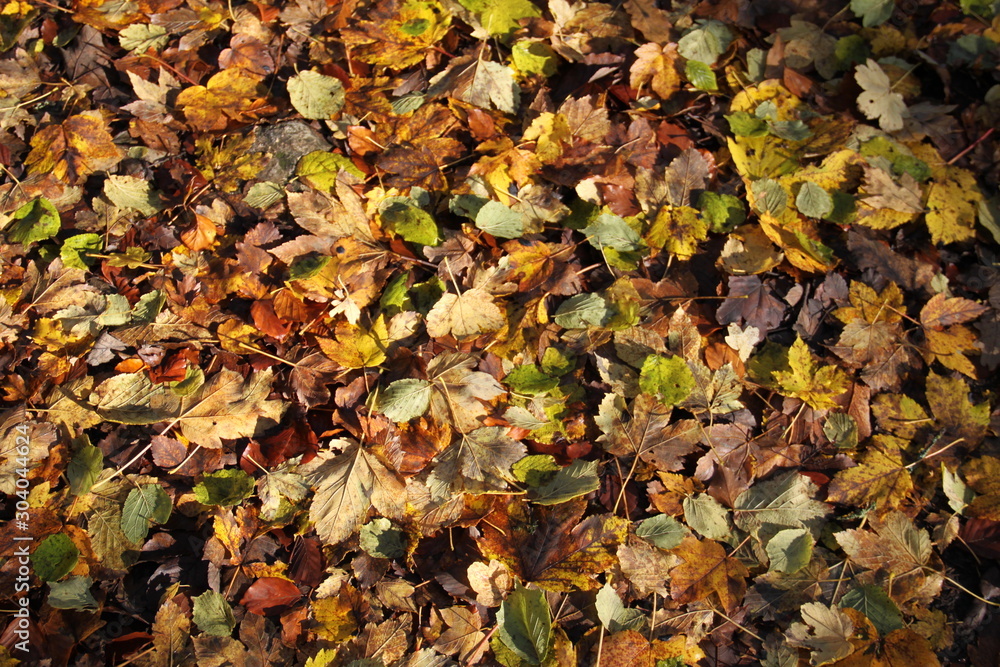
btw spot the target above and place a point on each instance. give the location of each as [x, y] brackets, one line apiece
[346, 485]
[655, 65]
[648, 432]
[826, 631]
[74, 149]
[879, 479]
[230, 95]
[786, 501]
[550, 546]
[471, 313]
[878, 101]
[479, 462]
[898, 549]
[397, 34]
[226, 406]
[464, 636]
[707, 570]
[816, 386]
[479, 82]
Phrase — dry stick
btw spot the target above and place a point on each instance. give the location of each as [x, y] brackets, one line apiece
[985, 135]
[741, 627]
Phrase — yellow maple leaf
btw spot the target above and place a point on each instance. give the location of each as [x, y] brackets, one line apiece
[678, 230]
[953, 204]
[357, 347]
[229, 95]
[871, 306]
[551, 133]
[398, 34]
[655, 65]
[817, 386]
[950, 347]
[880, 478]
[74, 149]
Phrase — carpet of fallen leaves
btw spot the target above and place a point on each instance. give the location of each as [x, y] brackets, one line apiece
[432, 332]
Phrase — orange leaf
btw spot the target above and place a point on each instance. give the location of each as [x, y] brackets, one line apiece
[78, 147]
[229, 95]
[270, 595]
[707, 569]
[201, 235]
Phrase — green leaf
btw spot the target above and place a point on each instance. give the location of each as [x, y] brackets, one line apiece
[316, 96]
[500, 221]
[307, 266]
[525, 625]
[132, 192]
[404, 400]
[790, 550]
[611, 231]
[613, 614]
[37, 220]
[224, 487]
[958, 494]
[583, 311]
[662, 530]
[529, 380]
[413, 224]
[813, 201]
[876, 604]
[536, 469]
[379, 539]
[140, 37]
[500, 17]
[74, 593]
[74, 249]
[577, 479]
[873, 12]
[668, 378]
[55, 557]
[724, 213]
[700, 75]
[534, 57]
[144, 504]
[706, 43]
[319, 169]
[558, 362]
[264, 195]
[789, 130]
[841, 430]
[769, 196]
[213, 615]
[784, 501]
[84, 468]
[707, 517]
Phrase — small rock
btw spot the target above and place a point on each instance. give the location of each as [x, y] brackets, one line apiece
[286, 144]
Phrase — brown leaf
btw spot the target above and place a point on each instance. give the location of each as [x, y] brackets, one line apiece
[941, 311]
